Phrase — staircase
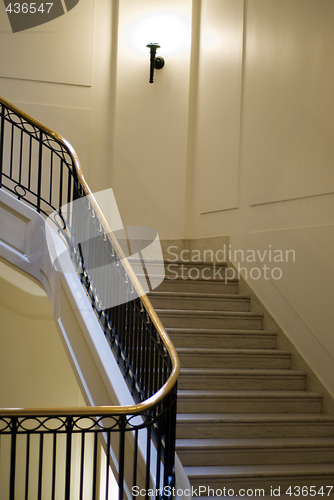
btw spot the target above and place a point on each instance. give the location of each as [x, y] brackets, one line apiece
[245, 419]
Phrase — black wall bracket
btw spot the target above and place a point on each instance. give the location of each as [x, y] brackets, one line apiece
[156, 62]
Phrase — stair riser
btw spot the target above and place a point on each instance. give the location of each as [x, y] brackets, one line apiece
[242, 383]
[212, 456]
[194, 321]
[192, 430]
[267, 484]
[213, 360]
[252, 341]
[261, 405]
[170, 285]
[236, 304]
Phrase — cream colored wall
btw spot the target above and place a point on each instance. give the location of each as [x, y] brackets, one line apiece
[233, 138]
[282, 182]
[151, 120]
[62, 74]
[239, 143]
[34, 368]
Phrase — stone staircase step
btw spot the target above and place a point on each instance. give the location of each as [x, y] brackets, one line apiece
[233, 358]
[255, 451]
[209, 302]
[263, 477]
[249, 379]
[261, 428]
[248, 401]
[224, 338]
[209, 319]
[254, 425]
[178, 268]
[226, 285]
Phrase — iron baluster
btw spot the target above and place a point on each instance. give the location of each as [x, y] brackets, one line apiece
[68, 459]
[27, 466]
[40, 466]
[39, 181]
[14, 425]
[121, 458]
[82, 465]
[54, 461]
[11, 151]
[95, 482]
[148, 461]
[135, 459]
[2, 134]
[108, 465]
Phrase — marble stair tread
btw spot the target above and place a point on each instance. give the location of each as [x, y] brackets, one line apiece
[196, 318]
[203, 357]
[231, 351]
[226, 357]
[176, 279]
[258, 443]
[204, 313]
[218, 285]
[249, 394]
[242, 372]
[219, 337]
[254, 425]
[262, 470]
[201, 263]
[200, 295]
[238, 378]
[249, 418]
[220, 331]
[245, 401]
[193, 301]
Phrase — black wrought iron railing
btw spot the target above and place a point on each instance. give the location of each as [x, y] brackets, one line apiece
[56, 453]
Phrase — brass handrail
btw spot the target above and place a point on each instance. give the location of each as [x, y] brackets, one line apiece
[172, 379]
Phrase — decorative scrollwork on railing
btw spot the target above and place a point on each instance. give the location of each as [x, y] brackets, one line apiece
[57, 148]
[20, 191]
[5, 424]
[86, 423]
[21, 123]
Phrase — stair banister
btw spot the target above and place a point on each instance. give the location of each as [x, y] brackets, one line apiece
[31, 152]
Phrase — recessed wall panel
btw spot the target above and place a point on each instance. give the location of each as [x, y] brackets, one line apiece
[288, 108]
[216, 169]
[59, 51]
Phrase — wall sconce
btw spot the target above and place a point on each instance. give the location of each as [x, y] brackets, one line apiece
[156, 62]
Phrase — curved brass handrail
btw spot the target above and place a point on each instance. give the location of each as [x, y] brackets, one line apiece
[171, 381]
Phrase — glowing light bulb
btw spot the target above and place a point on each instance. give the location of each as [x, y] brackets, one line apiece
[170, 30]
